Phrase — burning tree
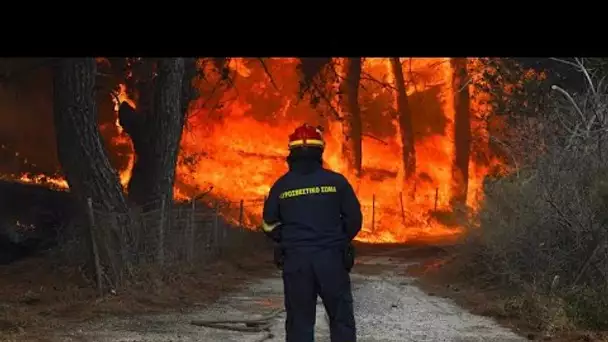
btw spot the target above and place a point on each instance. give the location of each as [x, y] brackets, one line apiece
[261, 97]
[406, 129]
[81, 152]
[462, 130]
[350, 115]
[164, 91]
[346, 76]
[505, 94]
[542, 228]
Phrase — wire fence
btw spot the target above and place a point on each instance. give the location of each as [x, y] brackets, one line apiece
[402, 210]
[165, 233]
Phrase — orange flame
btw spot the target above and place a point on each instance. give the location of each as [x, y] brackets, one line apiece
[242, 153]
[120, 96]
[236, 141]
[54, 182]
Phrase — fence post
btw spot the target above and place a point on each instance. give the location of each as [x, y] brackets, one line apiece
[373, 212]
[241, 208]
[95, 248]
[161, 233]
[190, 236]
[216, 227]
[224, 231]
[599, 147]
[436, 197]
[402, 208]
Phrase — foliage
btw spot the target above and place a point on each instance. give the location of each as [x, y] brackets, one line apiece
[377, 110]
[542, 229]
[514, 89]
[507, 93]
[319, 81]
[310, 69]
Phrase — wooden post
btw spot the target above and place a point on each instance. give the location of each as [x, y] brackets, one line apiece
[241, 209]
[161, 233]
[436, 197]
[95, 248]
[599, 146]
[224, 230]
[216, 222]
[263, 204]
[190, 236]
[373, 212]
[402, 208]
[242, 236]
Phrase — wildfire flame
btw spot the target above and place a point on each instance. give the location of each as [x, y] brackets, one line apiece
[56, 182]
[118, 98]
[244, 150]
[236, 141]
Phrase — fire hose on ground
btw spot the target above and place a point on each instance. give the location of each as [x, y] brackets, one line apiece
[264, 323]
[261, 324]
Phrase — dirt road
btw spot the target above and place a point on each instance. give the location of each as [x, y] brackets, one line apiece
[389, 307]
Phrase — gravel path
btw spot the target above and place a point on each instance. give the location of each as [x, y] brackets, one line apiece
[388, 308]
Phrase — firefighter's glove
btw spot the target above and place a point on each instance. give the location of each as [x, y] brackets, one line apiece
[349, 257]
[279, 257]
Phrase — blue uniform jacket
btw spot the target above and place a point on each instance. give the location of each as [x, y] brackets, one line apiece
[316, 208]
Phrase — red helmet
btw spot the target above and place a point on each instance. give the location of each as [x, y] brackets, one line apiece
[306, 136]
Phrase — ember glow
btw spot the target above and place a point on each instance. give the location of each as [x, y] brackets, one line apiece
[235, 141]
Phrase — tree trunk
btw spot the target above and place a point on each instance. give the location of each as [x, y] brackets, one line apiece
[462, 130]
[406, 130]
[79, 147]
[156, 132]
[348, 103]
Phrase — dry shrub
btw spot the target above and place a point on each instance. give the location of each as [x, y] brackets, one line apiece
[186, 236]
[205, 256]
[541, 233]
[41, 294]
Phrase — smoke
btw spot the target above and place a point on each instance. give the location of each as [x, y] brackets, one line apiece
[27, 133]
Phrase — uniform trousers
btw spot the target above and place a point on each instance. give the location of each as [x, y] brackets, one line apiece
[322, 272]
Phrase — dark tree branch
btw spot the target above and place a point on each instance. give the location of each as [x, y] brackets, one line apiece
[202, 194]
[369, 77]
[157, 133]
[405, 120]
[216, 86]
[189, 93]
[324, 97]
[268, 73]
[79, 144]
[375, 138]
[310, 68]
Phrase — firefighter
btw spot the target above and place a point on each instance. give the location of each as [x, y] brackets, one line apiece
[313, 215]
